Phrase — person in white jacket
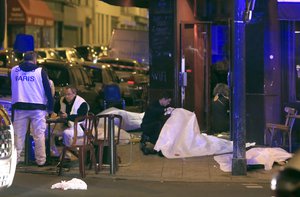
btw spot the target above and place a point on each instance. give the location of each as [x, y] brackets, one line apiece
[70, 106]
[32, 101]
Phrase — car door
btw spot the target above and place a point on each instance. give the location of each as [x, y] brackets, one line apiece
[86, 89]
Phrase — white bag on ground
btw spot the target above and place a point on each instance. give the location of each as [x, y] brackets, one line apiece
[72, 184]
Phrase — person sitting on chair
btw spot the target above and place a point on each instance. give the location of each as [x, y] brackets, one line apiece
[152, 123]
[69, 107]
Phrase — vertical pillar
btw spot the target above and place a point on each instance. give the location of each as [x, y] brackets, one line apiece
[239, 165]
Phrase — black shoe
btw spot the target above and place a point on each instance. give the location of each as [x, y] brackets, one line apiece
[160, 154]
[45, 164]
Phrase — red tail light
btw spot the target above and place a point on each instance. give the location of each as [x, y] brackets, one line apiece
[130, 82]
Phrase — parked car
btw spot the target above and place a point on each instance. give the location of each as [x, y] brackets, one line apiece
[104, 75]
[9, 58]
[91, 52]
[5, 90]
[132, 75]
[47, 54]
[128, 69]
[8, 156]
[63, 74]
[69, 54]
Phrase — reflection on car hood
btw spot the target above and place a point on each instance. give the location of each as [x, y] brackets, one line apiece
[5, 101]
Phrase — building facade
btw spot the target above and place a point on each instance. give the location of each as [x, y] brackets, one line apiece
[67, 23]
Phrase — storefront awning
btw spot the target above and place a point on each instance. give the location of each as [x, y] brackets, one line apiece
[129, 3]
[289, 10]
[29, 12]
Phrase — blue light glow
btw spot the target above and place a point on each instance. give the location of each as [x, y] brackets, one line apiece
[289, 1]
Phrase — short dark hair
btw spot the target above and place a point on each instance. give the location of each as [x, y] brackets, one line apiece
[166, 95]
[73, 89]
[30, 56]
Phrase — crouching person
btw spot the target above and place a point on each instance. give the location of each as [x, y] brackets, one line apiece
[153, 121]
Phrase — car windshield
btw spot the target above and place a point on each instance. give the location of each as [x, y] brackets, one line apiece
[52, 54]
[59, 75]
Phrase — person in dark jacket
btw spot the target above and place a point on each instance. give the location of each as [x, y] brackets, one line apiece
[32, 100]
[220, 109]
[152, 123]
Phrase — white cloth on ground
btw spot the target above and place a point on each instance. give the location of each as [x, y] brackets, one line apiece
[72, 184]
[180, 137]
[258, 155]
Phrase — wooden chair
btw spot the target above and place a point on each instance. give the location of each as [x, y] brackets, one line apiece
[81, 144]
[104, 124]
[285, 129]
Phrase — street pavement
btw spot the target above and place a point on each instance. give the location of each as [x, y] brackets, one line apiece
[157, 168]
[150, 175]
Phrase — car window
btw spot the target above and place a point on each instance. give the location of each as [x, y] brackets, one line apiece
[42, 54]
[3, 58]
[113, 75]
[78, 76]
[5, 85]
[62, 54]
[95, 74]
[106, 76]
[85, 76]
[58, 75]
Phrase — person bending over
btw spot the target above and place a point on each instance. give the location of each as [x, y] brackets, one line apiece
[152, 123]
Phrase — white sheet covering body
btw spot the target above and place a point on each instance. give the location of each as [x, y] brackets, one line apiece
[264, 156]
[131, 120]
[180, 137]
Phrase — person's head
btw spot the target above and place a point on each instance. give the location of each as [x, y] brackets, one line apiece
[221, 88]
[30, 56]
[165, 99]
[70, 93]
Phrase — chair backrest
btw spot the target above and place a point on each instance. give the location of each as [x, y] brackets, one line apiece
[87, 125]
[104, 123]
[112, 92]
[289, 121]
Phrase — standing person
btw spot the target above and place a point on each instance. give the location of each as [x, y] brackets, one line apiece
[70, 107]
[220, 109]
[152, 123]
[31, 99]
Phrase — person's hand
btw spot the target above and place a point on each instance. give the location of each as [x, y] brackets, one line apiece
[168, 110]
[63, 115]
[53, 115]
